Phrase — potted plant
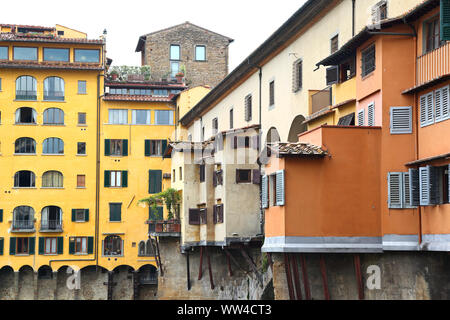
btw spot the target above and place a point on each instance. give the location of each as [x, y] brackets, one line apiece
[114, 74]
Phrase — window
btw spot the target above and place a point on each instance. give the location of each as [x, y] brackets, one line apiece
[118, 91]
[442, 103]
[194, 217]
[116, 147]
[379, 11]
[368, 60]
[26, 116]
[54, 89]
[60, 33]
[24, 179]
[334, 43]
[54, 116]
[82, 87]
[426, 109]
[80, 245]
[433, 36]
[116, 179]
[26, 88]
[155, 148]
[164, 117]
[25, 53]
[53, 146]
[141, 117]
[81, 181]
[81, 148]
[23, 218]
[53, 54]
[51, 218]
[243, 176]
[200, 53]
[154, 181]
[347, 70]
[218, 214]
[50, 245]
[271, 93]
[113, 246]
[371, 115]
[361, 117]
[181, 174]
[202, 172]
[273, 193]
[203, 216]
[115, 212]
[174, 68]
[218, 178]
[161, 92]
[348, 120]
[248, 108]
[174, 52]
[0, 84]
[401, 120]
[23, 245]
[433, 184]
[81, 118]
[400, 190]
[231, 119]
[118, 116]
[297, 76]
[86, 55]
[80, 215]
[215, 125]
[25, 146]
[52, 179]
[4, 53]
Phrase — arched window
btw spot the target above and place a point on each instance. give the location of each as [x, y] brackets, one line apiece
[23, 218]
[149, 249]
[26, 88]
[52, 179]
[53, 146]
[54, 89]
[25, 146]
[113, 246]
[24, 179]
[26, 115]
[141, 248]
[54, 116]
[51, 218]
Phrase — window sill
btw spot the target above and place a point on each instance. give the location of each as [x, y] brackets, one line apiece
[52, 155]
[24, 188]
[81, 188]
[80, 254]
[271, 107]
[59, 101]
[25, 124]
[52, 188]
[53, 125]
[82, 94]
[22, 255]
[367, 76]
[27, 100]
[82, 125]
[25, 154]
[80, 221]
[82, 155]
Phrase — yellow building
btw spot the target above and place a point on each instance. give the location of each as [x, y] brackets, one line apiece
[49, 92]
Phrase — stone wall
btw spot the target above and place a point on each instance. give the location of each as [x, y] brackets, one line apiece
[404, 276]
[209, 72]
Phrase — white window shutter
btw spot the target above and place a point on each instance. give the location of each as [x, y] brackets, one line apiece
[406, 190]
[423, 111]
[395, 188]
[445, 103]
[401, 120]
[264, 191]
[371, 115]
[438, 104]
[280, 184]
[424, 186]
[361, 117]
[414, 187]
[430, 108]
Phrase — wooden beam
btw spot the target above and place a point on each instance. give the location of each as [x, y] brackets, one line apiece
[298, 288]
[252, 266]
[211, 280]
[305, 277]
[287, 268]
[188, 272]
[200, 271]
[269, 257]
[358, 275]
[234, 260]
[227, 255]
[323, 270]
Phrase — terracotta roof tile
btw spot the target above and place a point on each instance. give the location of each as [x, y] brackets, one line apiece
[18, 64]
[141, 98]
[45, 38]
[298, 148]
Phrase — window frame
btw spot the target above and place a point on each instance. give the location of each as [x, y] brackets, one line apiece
[91, 50]
[170, 52]
[30, 142]
[365, 72]
[111, 116]
[56, 111]
[7, 52]
[117, 206]
[239, 179]
[81, 178]
[55, 145]
[205, 52]
[48, 48]
[32, 180]
[53, 245]
[53, 95]
[53, 172]
[78, 149]
[117, 238]
[171, 118]
[80, 114]
[19, 47]
[85, 87]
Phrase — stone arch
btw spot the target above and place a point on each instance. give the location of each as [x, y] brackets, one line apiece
[26, 283]
[148, 275]
[7, 284]
[297, 127]
[273, 136]
[45, 272]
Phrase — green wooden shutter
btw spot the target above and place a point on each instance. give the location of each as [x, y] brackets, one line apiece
[158, 182]
[32, 245]
[72, 246]
[115, 213]
[154, 181]
[60, 246]
[74, 215]
[90, 245]
[2, 241]
[124, 148]
[147, 148]
[41, 245]
[1, 215]
[160, 214]
[86, 215]
[124, 179]
[107, 179]
[163, 147]
[445, 20]
[107, 147]
[12, 246]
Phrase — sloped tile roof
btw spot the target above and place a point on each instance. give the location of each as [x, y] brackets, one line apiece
[138, 98]
[22, 64]
[297, 148]
[45, 39]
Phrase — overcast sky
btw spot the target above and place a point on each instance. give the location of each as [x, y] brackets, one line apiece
[248, 22]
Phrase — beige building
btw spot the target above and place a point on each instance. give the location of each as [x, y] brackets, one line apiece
[272, 87]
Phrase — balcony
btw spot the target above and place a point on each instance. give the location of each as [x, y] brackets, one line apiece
[148, 279]
[165, 228]
[26, 95]
[433, 65]
[51, 226]
[321, 100]
[23, 226]
[54, 96]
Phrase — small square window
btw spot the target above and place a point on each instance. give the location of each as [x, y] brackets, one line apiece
[81, 181]
[175, 52]
[200, 53]
[272, 93]
[243, 176]
[81, 87]
[335, 44]
[81, 118]
[115, 212]
[80, 215]
[81, 148]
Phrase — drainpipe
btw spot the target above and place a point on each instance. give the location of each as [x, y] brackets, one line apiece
[353, 17]
[260, 144]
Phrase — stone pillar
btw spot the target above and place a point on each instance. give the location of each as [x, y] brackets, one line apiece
[55, 284]
[16, 285]
[35, 286]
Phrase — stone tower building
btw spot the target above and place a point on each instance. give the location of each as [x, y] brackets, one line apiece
[203, 54]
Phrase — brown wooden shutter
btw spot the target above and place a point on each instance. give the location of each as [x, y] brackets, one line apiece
[220, 214]
[203, 216]
[215, 214]
[194, 217]
[215, 179]
[256, 176]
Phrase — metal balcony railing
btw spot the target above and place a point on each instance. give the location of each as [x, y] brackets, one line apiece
[23, 225]
[321, 100]
[26, 95]
[151, 278]
[51, 225]
[165, 228]
[54, 96]
[433, 64]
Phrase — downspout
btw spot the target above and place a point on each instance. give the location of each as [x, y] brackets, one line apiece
[260, 145]
[353, 17]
